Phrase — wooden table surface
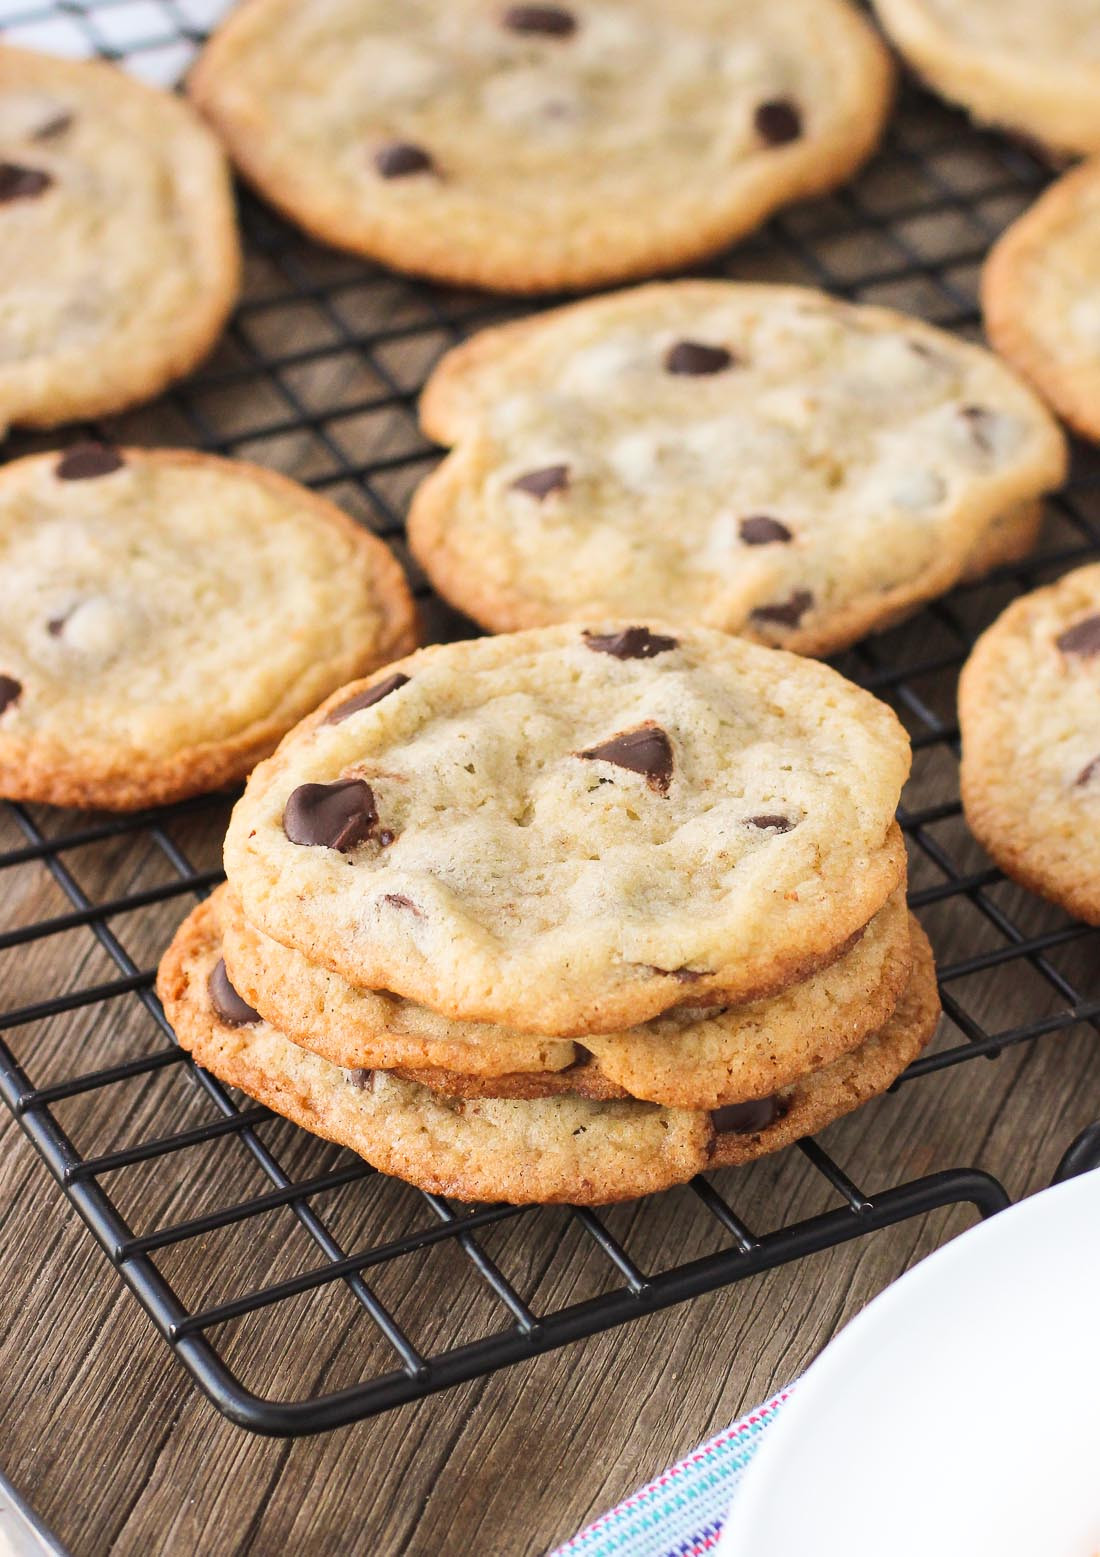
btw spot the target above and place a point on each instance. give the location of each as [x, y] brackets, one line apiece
[99, 1427]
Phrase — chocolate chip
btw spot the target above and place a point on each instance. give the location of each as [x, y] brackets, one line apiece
[633, 643]
[1088, 772]
[540, 483]
[1082, 638]
[331, 816]
[10, 691]
[778, 121]
[366, 699]
[399, 900]
[778, 824]
[232, 1010]
[20, 183]
[786, 613]
[747, 1118]
[362, 1080]
[550, 20]
[762, 530]
[646, 750]
[695, 358]
[401, 158]
[86, 460]
[53, 127]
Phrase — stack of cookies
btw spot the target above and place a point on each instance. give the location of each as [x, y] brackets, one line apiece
[566, 915]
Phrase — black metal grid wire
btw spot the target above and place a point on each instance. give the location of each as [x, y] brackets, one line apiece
[319, 374]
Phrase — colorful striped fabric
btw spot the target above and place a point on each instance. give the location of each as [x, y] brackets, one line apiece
[681, 1513]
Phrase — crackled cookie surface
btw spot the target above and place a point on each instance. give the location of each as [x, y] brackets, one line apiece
[573, 830]
[548, 1149]
[118, 237]
[1041, 296]
[690, 1058]
[1027, 65]
[1029, 706]
[168, 615]
[762, 459]
[532, 147]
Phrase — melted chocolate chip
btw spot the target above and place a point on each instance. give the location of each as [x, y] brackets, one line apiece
[762, 530]
[231, 1009]
[86, 460]
[778, 121]
[646, 750]
[331, 816]
[10, 691]
[20, 183]
[696, 358]
[747, 1118]
[399, 900]
[1088, 772]
[778, 824]
[56, 126]
[1082, 638]
[366, 699]
[633, 643]
[786, 613]
[361, 1080]
[401, 158]
[552, 21]
[540, 483]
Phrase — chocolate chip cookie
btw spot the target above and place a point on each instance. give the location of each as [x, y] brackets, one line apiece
[1041, 295]
[571, 830]
[766, 460]
[563, 1148]
[167, 616]
[531, 148]
[1025, 66]
[119, 243]
[1028, 706]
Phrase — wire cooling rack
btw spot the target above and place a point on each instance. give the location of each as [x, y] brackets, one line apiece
[222, 1219]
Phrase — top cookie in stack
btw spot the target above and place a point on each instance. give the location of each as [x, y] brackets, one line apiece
[566, 915]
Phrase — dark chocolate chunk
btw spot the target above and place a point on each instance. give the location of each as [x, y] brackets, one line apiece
[366, 699]
[762, 530]
[1088, 772]
[331, 816]
[232, 1010]
[778, 121]
[747, 1118]
[1082, 638]
[399, 900]
[20, 183]
[786, 613]
[779, 824]
[57, 125]
[10, 691]
[633, 643]
[86, 460]
[540, 483]
[553, 21]
[695, 358]
[401, 158]
[646, 750]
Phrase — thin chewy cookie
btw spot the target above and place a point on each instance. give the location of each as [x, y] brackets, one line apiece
[763, 459]
[549, 1149]
[536, 147]
[690, 1058]
[1041, 295]
[572, 830]
[166, 616]
[1032, 66]
[119, 242]
[1028, 706]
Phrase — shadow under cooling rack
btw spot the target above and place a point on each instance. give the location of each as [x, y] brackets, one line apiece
[299, 1288]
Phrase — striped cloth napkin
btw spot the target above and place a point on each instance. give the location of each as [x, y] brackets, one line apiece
[681, 1513]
